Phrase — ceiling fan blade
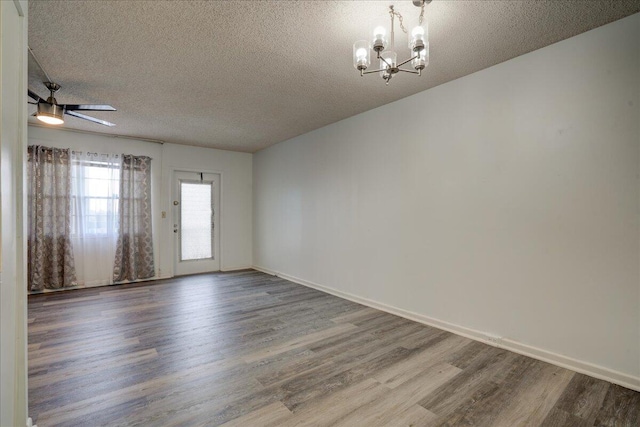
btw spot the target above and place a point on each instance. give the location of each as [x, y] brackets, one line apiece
[34, 95]
[87, 107]
[91, 119]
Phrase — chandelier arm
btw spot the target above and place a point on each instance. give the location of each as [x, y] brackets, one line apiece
[373, 71]
[408, 71]
[385, 61]
[408, 60]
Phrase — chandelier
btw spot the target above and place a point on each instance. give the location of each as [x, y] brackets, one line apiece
[418, 47]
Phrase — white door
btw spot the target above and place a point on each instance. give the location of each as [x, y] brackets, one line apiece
[196, 215]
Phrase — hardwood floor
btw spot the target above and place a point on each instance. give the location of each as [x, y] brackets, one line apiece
[248, 349]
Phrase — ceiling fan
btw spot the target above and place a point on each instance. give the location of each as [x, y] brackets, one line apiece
[50, 112]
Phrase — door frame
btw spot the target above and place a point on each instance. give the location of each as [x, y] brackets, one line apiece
[174, 245]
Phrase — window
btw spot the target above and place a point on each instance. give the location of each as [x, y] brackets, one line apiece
[94, 198]
[196, 221]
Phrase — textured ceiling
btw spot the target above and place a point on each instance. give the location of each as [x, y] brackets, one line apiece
[243, 75]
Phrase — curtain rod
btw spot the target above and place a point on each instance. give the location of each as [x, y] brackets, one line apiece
[155, 141]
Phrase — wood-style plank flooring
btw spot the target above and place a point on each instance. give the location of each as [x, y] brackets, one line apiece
[248, 349]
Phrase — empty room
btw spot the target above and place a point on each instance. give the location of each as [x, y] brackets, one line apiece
[321, 213]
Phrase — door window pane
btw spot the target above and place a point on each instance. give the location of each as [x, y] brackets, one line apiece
[196, 217]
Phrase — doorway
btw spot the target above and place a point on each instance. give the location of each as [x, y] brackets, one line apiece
[196, 222]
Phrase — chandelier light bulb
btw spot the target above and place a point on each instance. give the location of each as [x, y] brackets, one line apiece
[361, 59]
[421, 61]
[390, 59]
[388, 64]
[379, 32]
[379, 39]
[417, 39]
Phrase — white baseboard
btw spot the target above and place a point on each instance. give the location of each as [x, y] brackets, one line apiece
[226, 269]
[596, 371]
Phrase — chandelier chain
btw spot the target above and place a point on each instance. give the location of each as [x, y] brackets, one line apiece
[392, 12]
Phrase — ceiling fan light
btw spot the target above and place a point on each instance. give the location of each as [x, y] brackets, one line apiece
[50, 114]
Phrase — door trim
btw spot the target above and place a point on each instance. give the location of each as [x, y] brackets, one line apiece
[169, 226]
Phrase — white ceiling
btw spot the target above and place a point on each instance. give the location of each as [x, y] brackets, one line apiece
[243, 75]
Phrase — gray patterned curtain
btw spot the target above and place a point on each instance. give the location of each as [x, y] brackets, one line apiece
[50, 254]
[134, 250]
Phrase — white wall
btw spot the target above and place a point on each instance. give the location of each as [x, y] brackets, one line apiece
[504, 203]
[13, 125]
[236, 200]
